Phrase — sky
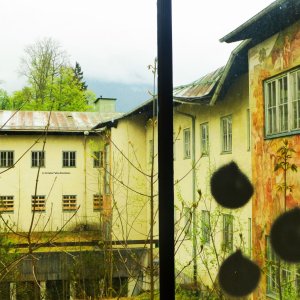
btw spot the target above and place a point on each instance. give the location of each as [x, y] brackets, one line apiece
[115, 40]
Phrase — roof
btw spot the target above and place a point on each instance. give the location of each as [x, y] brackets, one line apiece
[60, 121]
[275, 17]
[200, 89]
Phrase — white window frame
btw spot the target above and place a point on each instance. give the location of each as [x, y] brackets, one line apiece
[38, 160]
[186, 143]
[228, 232]
[6, 204]
[6, 158]
[282, 105]
[226, 134]
[204, 139]
[69, 159]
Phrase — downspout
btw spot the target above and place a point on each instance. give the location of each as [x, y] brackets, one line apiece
[86, 133]
[194, 239]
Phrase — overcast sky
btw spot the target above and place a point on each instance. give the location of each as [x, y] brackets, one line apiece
[115, 40]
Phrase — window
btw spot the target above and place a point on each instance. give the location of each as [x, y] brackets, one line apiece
[98, 159]
[187, 221]
[69, 202]
[186, 143]
[205, 227]
[282, 103]
[227, 232]
[6, 159]
[6, 203]
[204, 139]
[38, 203]
[98, 202]
[38, 159]
[226, 134]
[107, 170]
[289, 274]
[69, 159]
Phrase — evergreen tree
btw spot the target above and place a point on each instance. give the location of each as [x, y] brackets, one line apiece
[79, 76]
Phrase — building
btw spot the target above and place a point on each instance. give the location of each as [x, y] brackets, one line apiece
[211, 128]
[273, 63]
[56, 207]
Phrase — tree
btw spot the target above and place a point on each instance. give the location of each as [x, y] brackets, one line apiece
[52, 82]
[4, 100]
[79, 76]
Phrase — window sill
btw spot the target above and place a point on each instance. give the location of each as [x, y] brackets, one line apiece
[282, 134]
[226, 152]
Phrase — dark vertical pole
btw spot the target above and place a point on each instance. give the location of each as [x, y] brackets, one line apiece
[165, 150]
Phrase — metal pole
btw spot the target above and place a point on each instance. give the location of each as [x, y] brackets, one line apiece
[165, 150]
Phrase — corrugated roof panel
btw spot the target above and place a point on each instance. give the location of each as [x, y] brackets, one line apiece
[200, 88]
[59, 120]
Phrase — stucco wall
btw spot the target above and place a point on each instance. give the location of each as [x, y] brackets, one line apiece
[266, 60]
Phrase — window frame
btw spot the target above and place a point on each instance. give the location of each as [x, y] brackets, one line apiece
[69, 202]
[68, 159]
[205, 227]
[98, 159]
[227, 233]
[40, 205]
[204, 140]
[98, 202]
[292, 105]
[226, 137]
[9, 162]
[38, 159]
[186, 143]
[7, 204]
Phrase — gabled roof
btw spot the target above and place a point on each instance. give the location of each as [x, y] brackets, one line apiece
[59, 121]
[199, 90]
[275, 17]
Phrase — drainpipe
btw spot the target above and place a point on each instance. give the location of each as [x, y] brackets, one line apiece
[86, 133]
[194, 239]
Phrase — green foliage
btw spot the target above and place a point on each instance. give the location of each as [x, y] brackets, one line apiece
[52, 84]
[4, 100]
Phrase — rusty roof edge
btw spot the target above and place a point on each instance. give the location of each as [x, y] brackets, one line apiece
[227, 69]
[252, 20]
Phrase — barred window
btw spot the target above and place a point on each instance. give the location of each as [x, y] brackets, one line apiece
[69, 159]
[38, 159]
[6, 203]
[97, 202]
[38, 203]
[69, 202]
[6, 159]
